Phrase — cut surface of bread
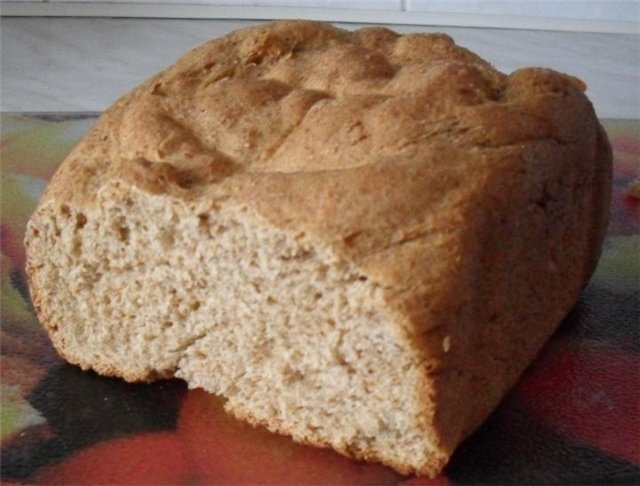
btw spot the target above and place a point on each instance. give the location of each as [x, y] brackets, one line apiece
[358, 239]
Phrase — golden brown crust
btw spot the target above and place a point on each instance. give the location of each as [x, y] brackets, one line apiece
[477, 200]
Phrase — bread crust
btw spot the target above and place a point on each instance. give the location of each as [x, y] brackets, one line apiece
[478, 201]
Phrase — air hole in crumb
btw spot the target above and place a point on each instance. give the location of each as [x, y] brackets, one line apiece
[362, 278]
[317, 296]
[200, 355]
[123, 234]
[166, 238]
[299, 256]
[203, 220]
[221, 229]
[106, 299]
[292, 375]
[76, 249]
[195, 305]
[167, 325]
[81, 220]
[35, 232]
[271, 300]
[257, 287]
[64, 210]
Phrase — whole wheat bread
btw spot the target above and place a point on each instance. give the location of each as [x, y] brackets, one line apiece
[359, 239]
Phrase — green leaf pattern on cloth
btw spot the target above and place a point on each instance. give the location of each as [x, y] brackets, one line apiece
[619, 265]
[15, 413]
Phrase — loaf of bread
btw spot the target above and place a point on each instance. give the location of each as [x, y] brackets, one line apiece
[358, 239]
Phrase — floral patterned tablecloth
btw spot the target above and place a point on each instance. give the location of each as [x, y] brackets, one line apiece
[574, 417]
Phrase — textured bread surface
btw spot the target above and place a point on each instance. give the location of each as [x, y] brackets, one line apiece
[359, 239]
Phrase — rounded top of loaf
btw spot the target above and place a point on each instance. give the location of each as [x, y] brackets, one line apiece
[363, 140]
